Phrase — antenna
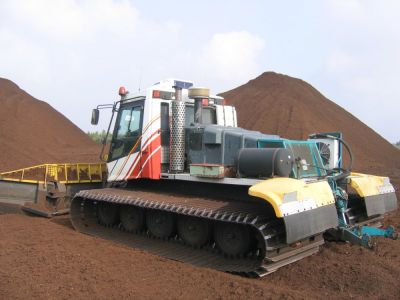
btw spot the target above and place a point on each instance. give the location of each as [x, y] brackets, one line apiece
[140, 78]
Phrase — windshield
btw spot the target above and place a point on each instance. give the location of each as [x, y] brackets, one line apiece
[308, 160]
[126, 138]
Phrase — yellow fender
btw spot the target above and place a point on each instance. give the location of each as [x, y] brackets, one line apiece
[370, 185]
[291, 196]
[377, 193]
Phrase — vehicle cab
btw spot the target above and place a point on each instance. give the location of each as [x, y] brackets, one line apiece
[141, 137]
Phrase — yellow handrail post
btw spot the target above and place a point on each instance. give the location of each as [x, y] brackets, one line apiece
[66, 173]
[90, 173]
[45, 175]
[56, 173]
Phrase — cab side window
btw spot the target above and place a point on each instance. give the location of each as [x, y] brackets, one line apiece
[209, 115]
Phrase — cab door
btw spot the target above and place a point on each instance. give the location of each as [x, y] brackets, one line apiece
[126, 141]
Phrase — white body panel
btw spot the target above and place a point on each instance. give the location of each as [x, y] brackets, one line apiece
[226, 115]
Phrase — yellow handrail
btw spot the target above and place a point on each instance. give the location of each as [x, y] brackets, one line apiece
[79, 173]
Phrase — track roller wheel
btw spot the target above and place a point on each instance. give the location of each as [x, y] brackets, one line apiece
[132, 218]
[107, 213]
[233, 239]
[194, 231]
[160, 224]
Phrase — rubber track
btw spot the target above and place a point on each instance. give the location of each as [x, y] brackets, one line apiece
[84, 219]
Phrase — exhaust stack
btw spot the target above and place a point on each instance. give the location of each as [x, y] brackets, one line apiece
[177, 146]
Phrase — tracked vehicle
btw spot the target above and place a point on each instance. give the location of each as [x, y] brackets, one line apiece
[186, 183]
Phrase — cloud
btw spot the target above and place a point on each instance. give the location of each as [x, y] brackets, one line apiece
[340, 61]
[232, 56]
[365, 16]
[345, 9]
[364, 61]
[71, 20]
[20, 58]
[76, 53]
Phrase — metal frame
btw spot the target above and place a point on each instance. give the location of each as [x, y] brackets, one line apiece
[225, 180]
[50, 172]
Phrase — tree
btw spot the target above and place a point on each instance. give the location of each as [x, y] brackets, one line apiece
[98, 137]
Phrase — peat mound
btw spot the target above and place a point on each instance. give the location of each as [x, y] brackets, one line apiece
[32, 132]
[279, 104]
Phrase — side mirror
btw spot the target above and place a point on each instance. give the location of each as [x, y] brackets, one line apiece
[95, 116]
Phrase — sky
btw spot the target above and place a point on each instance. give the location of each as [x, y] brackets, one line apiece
[75, 54]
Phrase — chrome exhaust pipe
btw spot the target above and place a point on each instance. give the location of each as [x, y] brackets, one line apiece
[177, 145]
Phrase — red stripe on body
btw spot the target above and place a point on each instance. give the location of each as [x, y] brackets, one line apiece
[152, 168]
[139, 155]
